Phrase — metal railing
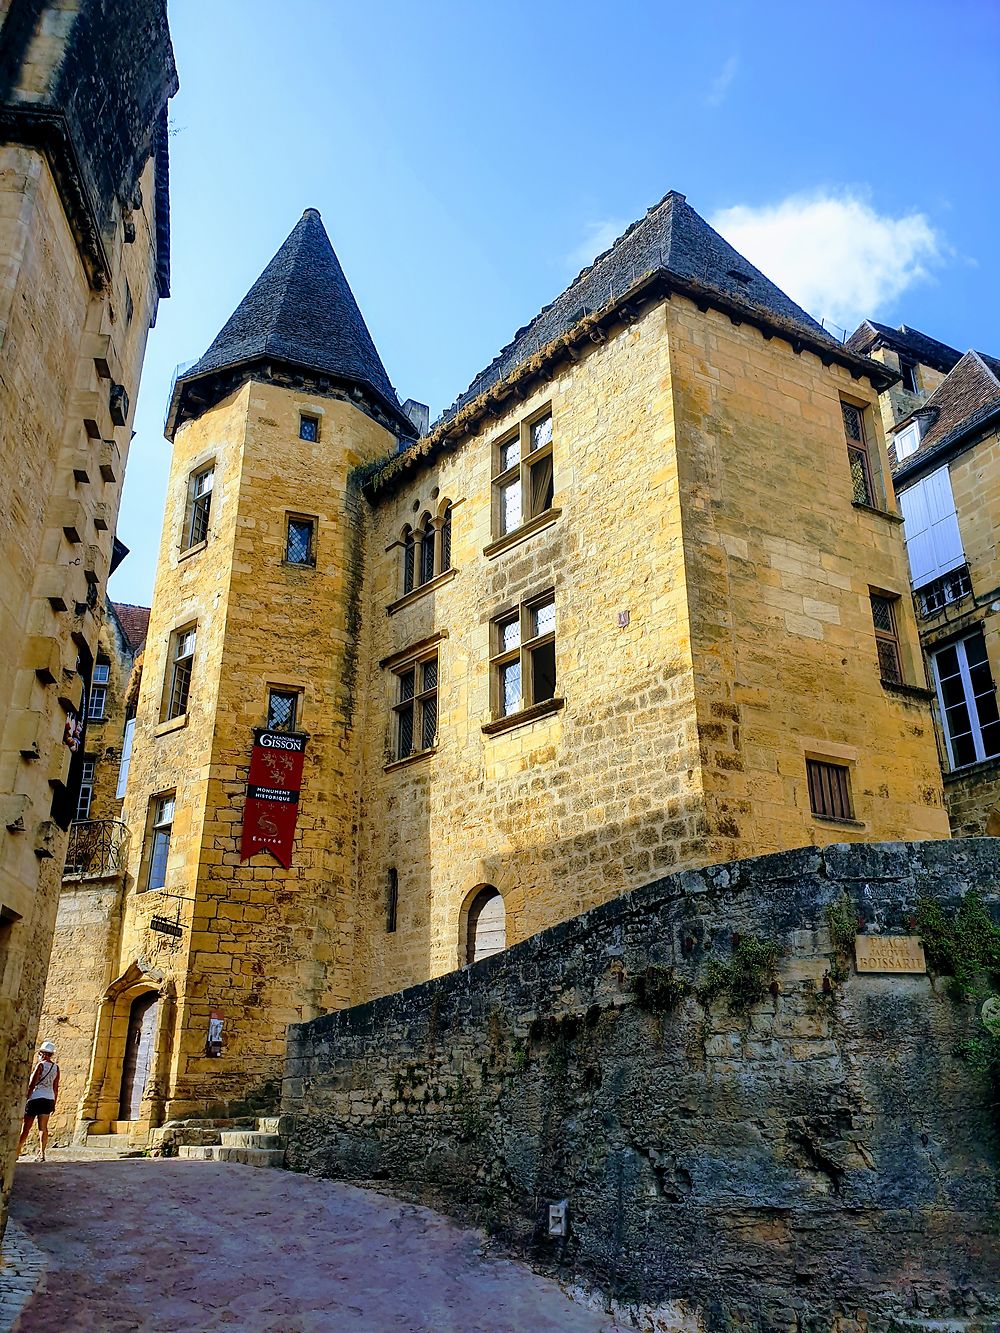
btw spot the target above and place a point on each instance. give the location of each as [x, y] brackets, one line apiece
[97, 849]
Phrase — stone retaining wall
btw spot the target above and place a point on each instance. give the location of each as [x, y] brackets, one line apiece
[823, 1154]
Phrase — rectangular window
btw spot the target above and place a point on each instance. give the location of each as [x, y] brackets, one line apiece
[858, 455]
[308, 427]
[942, 592]
[930, 526]
[159, 840]
[523, 477]
[524, 656]
[416, 710]
[907, 441]
[968, 702]
[908, 373]
[181, 661]
[829, 789]
[126, 759]
[97, 707]
[200, 506]
[282, 710]
[887, 638]
[299, 549]
[391, 901]
[83, 801]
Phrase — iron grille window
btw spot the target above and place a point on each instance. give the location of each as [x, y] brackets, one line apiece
[391, 901]
[159, 841]
[409, 560]
[299, 541]
[86, 796]
[887, 638]
[858, 456]
[181, 662]
[97, 706]
[282, 710]
[967, 697]
[524, 656]
[308, 428]
[951, 587]
[829, 789]
[523, 477]
[427, 535]
[445, 533]
[202, 484]
[416, 709]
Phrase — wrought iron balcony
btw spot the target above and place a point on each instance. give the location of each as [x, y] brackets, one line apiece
[97, 849]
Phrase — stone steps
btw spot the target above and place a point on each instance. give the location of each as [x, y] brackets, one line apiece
[263, 1146]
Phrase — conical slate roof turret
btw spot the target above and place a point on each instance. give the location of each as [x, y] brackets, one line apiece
[300, 313]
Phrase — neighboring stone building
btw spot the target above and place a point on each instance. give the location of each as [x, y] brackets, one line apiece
[946, 469]
[84, 259]
[920, 363]
[622, 610]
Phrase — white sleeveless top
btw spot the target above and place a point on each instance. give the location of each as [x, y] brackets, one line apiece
[45, 1087]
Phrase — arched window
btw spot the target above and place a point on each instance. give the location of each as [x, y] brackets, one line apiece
[427, 535]
[408, 560]
[486, 925]
[445, 539]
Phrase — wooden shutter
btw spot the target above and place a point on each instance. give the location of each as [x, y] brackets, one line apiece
[933, 538]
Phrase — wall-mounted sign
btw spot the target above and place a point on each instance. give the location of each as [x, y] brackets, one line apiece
[213, 1042]
[889, 953]
[272, 803]
[165, 926]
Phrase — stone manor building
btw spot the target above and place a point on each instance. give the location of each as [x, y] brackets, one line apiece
[637, 602]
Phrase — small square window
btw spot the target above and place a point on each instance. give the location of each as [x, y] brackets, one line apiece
[299, 542]
[308, 428]
[282, 710]
[829, 789]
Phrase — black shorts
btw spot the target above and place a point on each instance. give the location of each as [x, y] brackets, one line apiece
[39, 1106]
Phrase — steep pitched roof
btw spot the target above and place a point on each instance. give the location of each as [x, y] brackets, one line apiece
[134, 621]
[910, 342]
[671, 238]
[966, 399]
[301, 312]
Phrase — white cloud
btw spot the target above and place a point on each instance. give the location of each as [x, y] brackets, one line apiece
[598, 237]
[833, 253]
[719, 86]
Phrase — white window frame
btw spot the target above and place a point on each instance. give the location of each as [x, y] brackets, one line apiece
[199, 506]
[970, 699]
[97, 704]
[86, 785]
[907, 441]
[160, 830]
[182, 648]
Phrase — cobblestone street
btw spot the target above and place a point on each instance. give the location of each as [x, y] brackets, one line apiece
[178, 1246]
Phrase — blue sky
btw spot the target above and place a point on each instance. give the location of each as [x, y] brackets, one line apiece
[468, 159]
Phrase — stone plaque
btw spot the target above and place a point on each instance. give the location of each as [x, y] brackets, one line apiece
[889, 953]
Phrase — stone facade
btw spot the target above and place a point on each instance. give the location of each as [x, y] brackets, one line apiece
[84, 260]
[711, 579]
[803, 1161]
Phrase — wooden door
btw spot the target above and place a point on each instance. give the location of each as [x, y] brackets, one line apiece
[138, 1054]
[487, 925]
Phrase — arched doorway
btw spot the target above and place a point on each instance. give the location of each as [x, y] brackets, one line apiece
[138, 1060]
[486, 925]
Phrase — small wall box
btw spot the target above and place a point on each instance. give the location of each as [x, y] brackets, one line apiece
[559, 1218]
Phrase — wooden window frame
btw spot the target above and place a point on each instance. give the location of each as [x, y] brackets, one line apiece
[524, 653]
[180, 673]
[887, 640]
[415, 705]
[829, 784]
[521, 471]
[199, 507]
[159, 829]
[861, 452]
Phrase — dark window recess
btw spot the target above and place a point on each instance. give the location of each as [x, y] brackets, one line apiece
[952, 587]
[446, 540]
[887, 638]
[282, 710]
[308, 428]
[391, 901]
[427, 553]
[409, 560]
[829, 789]
[118, 404]
[299, 542]
[908, 371]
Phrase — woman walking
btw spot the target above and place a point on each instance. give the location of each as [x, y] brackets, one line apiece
[42, 1093]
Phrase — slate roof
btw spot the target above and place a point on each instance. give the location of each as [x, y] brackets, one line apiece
[300, 311]
[966, 400]
[134, 621]
[910, 342]
[672, 238]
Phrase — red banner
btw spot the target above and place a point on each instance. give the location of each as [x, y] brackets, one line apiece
[272, 804]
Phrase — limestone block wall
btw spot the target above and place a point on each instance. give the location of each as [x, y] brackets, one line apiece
[808, 1161]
